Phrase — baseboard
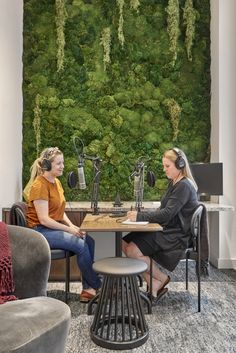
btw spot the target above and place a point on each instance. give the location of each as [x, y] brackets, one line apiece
[226, 264]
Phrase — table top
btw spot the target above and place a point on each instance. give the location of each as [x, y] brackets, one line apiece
[105, 223]
[107, 206]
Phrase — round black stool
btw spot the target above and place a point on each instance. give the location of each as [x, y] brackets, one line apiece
[119, 321]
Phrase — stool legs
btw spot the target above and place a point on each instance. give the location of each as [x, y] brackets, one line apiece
[119, 321]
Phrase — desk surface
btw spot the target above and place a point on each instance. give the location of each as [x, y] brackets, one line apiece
[104, 223]
[107, 206]
[126, 205]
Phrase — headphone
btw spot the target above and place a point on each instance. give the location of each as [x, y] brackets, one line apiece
[179, 162]
[46, 164]
[151, 179]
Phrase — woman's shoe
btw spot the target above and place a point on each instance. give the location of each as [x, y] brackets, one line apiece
[160, 292]
[164, 284]
[85, 296]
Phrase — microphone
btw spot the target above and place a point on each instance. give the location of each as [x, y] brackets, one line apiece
[82, 184]
[137, 185]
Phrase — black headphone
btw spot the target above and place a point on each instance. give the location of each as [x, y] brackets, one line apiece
[46, 164]
[179, 162]
[151, 179]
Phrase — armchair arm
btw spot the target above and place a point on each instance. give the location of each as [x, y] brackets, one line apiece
[31, 261]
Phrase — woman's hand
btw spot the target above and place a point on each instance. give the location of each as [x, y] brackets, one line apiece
[132, 215]
[73, 229]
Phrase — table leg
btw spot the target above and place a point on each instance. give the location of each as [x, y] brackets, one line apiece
[118, 244]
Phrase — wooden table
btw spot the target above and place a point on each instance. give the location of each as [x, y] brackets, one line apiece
[105, 223]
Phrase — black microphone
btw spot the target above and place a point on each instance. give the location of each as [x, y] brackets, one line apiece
[82, 183]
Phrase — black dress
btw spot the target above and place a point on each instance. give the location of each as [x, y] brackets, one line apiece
[177, 206]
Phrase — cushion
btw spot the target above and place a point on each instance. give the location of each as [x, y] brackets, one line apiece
[34, 325]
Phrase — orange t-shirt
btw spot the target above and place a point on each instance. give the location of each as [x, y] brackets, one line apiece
[42, 189]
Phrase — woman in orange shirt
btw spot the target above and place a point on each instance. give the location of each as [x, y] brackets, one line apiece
[46, 214]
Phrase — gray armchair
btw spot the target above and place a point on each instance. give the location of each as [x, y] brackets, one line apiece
[34, 323]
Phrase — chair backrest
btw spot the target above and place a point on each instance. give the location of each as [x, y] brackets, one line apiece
[18, 214]
[195, 224]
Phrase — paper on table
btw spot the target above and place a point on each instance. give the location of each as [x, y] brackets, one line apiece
[127, 221]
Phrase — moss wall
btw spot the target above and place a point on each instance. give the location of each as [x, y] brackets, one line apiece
[130, 78]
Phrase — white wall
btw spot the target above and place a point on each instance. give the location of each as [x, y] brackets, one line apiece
[11, 23]
[223, 117]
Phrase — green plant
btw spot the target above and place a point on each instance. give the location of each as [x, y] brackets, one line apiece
[140, 105]
[121, 37]
[106, 43]
[134, 4]
[60, 25]
[174, 112]
[37, 123]
[173, 27]
[189, 17]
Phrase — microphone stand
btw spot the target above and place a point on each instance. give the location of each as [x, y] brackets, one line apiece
[139, 172]
[96, 180]
[139, 193]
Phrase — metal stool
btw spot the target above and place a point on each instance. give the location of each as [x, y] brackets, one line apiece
[119, 321]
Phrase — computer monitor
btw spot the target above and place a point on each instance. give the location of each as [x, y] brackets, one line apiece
[209, 178]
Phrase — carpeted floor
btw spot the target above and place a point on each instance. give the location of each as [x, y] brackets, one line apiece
[175, 325]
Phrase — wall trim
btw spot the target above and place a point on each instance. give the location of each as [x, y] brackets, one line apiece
[227, 264]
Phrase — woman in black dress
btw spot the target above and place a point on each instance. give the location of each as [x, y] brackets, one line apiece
[177, 206]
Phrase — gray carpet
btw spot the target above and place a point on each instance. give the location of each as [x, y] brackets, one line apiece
[175, 325]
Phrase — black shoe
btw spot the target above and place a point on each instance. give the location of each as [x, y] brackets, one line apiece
[160, 293]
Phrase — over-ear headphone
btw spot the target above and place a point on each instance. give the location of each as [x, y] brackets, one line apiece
[151, 179]
[179, 162]
[46, 164]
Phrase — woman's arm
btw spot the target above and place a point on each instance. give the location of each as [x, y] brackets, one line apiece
[173, 204]
[41, 207]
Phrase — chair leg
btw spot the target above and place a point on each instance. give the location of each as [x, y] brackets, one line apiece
[186, 271]
[67, 279]
[140, 279]
[199, 289]
[199, 281]
[151, 273]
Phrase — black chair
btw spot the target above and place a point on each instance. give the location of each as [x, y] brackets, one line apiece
[18, 217]
[191, 253]
[194, 253]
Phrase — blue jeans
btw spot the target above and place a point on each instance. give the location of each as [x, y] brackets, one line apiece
[83, 248]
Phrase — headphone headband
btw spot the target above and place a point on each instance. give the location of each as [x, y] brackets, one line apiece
[50, 151]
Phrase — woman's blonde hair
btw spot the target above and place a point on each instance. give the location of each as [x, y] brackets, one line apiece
[172, 155]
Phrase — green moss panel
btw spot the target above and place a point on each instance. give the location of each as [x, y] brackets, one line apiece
[120, 85]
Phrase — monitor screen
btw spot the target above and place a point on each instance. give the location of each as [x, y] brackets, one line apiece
[209, 178]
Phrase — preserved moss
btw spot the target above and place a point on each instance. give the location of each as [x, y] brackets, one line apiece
[138, 104]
